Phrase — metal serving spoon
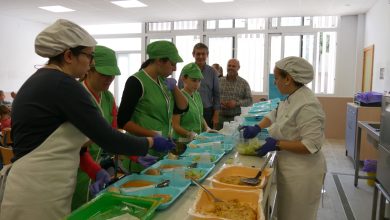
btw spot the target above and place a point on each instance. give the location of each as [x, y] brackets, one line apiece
[216, 199]
[255, 180]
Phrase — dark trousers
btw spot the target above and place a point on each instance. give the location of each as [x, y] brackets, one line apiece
[208, 116]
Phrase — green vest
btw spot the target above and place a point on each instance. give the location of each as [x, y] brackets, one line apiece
[81, 193]
[192, 120]
[155, 107]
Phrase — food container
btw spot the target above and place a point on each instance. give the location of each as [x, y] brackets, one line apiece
[235, 170]
[108, 205]
[201, 168]
[203, 201]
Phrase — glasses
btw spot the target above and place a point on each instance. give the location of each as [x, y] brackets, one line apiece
[89, 55]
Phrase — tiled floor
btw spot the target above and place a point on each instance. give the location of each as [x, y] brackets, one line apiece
[342, 200]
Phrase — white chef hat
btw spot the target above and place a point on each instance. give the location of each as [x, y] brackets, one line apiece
[298, 68]
[60, 36]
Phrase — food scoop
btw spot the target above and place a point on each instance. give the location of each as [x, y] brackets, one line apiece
[255, 180]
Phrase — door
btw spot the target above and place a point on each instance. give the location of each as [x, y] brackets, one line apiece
[368, 62]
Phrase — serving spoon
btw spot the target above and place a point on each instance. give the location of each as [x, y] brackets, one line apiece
[254, 181]
[216, 199]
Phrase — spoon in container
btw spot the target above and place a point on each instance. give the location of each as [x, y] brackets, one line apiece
[216, 199]
[254, 181]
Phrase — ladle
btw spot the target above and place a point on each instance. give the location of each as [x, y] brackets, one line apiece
[216, 199]
[255, 180]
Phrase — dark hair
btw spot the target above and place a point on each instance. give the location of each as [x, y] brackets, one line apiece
[284, 74]
[4, 110]
[60, 57]
[219, 69]
[150, 61]
[200, 46]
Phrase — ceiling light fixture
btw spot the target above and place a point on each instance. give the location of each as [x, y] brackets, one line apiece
[129, 4]
[216, 1]
[56, 8]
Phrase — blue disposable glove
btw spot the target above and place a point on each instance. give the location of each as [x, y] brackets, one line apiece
[147, 160]
[171, 83]
[102, 178]
[251, 131]
[270, 145]
[162, 144]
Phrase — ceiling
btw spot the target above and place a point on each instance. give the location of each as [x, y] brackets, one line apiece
[90, 12]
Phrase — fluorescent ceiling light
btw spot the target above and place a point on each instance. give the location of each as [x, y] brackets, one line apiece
[56, 8]
[129, 4]
[216, 1]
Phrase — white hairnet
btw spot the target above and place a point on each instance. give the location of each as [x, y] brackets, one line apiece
[298, 68]
[60, 36]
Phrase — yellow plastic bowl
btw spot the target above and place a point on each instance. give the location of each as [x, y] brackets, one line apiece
[240, 171]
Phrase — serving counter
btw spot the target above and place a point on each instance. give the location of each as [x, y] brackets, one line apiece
[178, 210]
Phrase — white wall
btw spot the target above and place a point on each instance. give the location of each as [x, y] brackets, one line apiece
[378, 33]
[17, 56]
[346, 58]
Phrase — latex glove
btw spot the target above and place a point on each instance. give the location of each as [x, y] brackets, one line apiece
[162, 144]
[102, 177]
[251, 131]
[270, 145]
[171, 83]
[147, 160]
[191, 135]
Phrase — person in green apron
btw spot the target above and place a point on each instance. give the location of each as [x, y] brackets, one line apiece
[187, 125]
[149, 98]
[97, 82]
[52, 117]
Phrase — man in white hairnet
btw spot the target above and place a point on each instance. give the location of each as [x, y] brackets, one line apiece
[296, 130]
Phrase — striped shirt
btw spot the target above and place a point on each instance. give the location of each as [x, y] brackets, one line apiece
[238, 90]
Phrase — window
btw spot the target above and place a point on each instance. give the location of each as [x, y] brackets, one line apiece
[292, 46]
[256, 23]
[275, 51]
[250, 53]
[211, 24]
[239, 23]
[159, 26]
[185, 25]
[326, 56]
[220, 50]
[291, 21]
[226, 23]
[325, 22]
[185, 45]
[128, 63]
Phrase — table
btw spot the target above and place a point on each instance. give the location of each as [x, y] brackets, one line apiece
[373, 134]
[178, 210]
[383, 196]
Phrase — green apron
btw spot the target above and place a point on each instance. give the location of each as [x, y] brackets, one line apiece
[154, 110]
[192, 120]
[81, 194]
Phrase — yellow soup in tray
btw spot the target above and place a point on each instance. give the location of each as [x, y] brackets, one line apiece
[235, 180]
[137, 183]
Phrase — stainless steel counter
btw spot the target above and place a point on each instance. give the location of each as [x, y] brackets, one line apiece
[372, 129]
[178, 210]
